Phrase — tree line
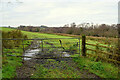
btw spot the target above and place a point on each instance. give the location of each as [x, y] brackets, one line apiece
[88, 29]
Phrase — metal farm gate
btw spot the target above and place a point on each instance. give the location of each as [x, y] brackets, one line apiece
[43, 48]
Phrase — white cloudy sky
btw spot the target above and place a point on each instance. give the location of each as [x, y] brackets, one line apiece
[57, 12]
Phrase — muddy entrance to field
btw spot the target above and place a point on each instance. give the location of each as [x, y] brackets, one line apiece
[63, 49]
[48, 48]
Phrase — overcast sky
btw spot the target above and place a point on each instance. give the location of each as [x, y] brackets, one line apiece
[57, 12]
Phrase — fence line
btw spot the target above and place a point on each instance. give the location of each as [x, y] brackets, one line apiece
[99, 45]
[84, 49]
[112, 60]
[103, 52]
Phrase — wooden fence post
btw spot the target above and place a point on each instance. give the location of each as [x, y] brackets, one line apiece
[97, 52]
[83, 45]
[97, 48]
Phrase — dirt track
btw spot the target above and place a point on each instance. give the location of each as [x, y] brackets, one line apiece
[29, 67]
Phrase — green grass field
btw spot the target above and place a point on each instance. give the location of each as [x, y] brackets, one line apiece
[105, 70]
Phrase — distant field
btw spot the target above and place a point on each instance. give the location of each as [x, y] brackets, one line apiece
[37, 35]
[54, 35]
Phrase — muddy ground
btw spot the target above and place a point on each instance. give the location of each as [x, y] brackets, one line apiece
[29, 66]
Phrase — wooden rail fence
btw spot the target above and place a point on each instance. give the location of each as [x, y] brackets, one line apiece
[98, 52]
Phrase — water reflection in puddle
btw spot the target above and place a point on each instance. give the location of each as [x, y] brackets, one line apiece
[31, 53]
[65, 54]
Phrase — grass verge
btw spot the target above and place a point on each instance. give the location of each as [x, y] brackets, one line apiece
[102, 69]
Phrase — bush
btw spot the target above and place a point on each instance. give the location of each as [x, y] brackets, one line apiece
[12, 35]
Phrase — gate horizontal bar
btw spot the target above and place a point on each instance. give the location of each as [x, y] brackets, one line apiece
[38, 38]
[12, 52]
[41, 57]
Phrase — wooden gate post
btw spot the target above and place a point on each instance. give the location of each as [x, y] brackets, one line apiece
[83, 45]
